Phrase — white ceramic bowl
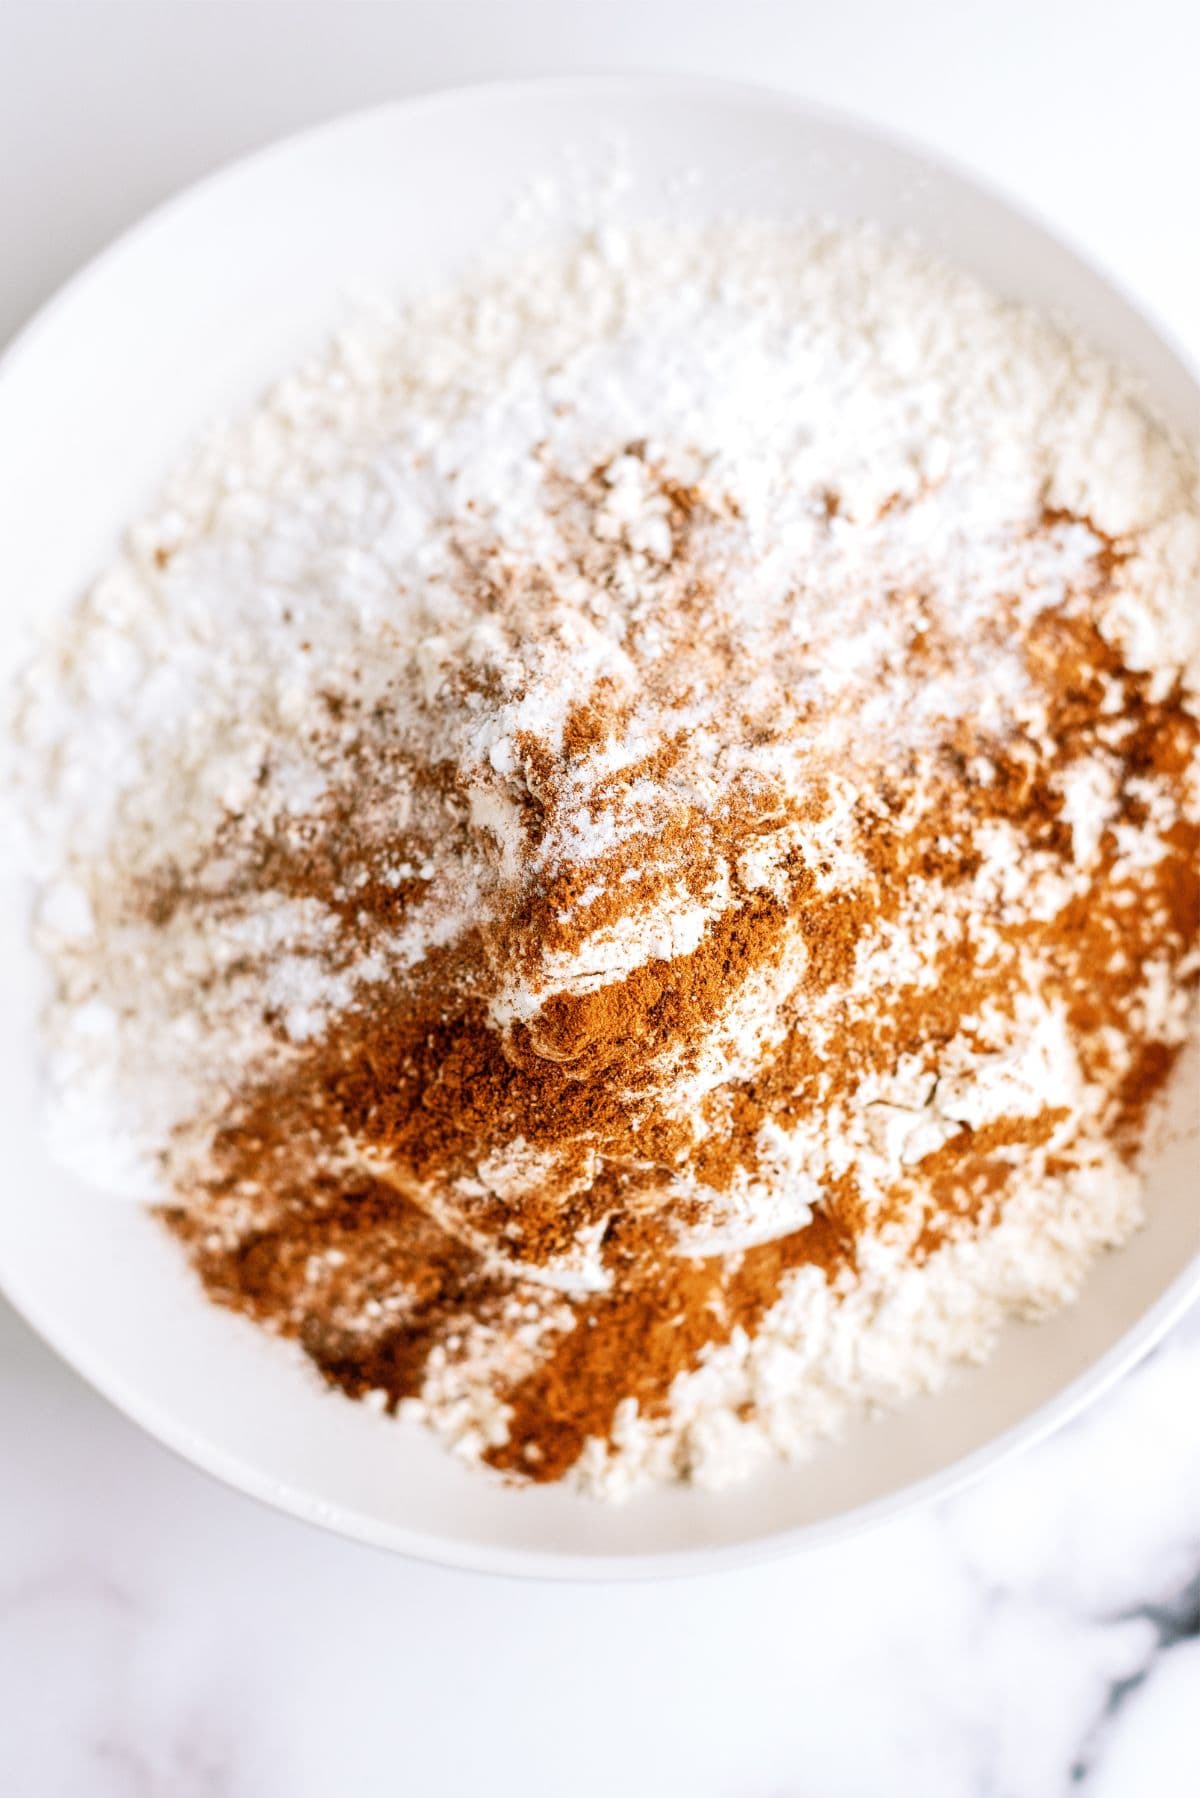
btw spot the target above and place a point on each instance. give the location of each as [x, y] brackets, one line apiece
[188, 316]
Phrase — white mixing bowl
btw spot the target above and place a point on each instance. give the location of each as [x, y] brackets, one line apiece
[189, 316]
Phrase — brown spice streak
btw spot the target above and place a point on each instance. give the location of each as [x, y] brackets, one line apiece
[414, 1087]
[664, 1311]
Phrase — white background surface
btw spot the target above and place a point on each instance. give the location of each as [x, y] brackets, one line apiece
[159, 1635]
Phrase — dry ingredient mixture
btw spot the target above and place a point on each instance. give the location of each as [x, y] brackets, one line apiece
[621, 858]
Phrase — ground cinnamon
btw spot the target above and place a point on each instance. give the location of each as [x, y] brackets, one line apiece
[399, 1258]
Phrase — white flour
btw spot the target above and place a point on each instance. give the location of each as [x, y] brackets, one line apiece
[866, 436]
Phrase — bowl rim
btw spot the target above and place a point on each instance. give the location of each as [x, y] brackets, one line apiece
[231, 1469]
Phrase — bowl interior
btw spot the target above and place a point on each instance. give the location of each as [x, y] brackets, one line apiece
[189, 317]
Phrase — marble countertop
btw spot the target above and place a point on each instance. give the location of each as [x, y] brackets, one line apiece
[162, 1637]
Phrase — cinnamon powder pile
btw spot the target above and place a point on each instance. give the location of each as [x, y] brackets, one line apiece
[417, 1261]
